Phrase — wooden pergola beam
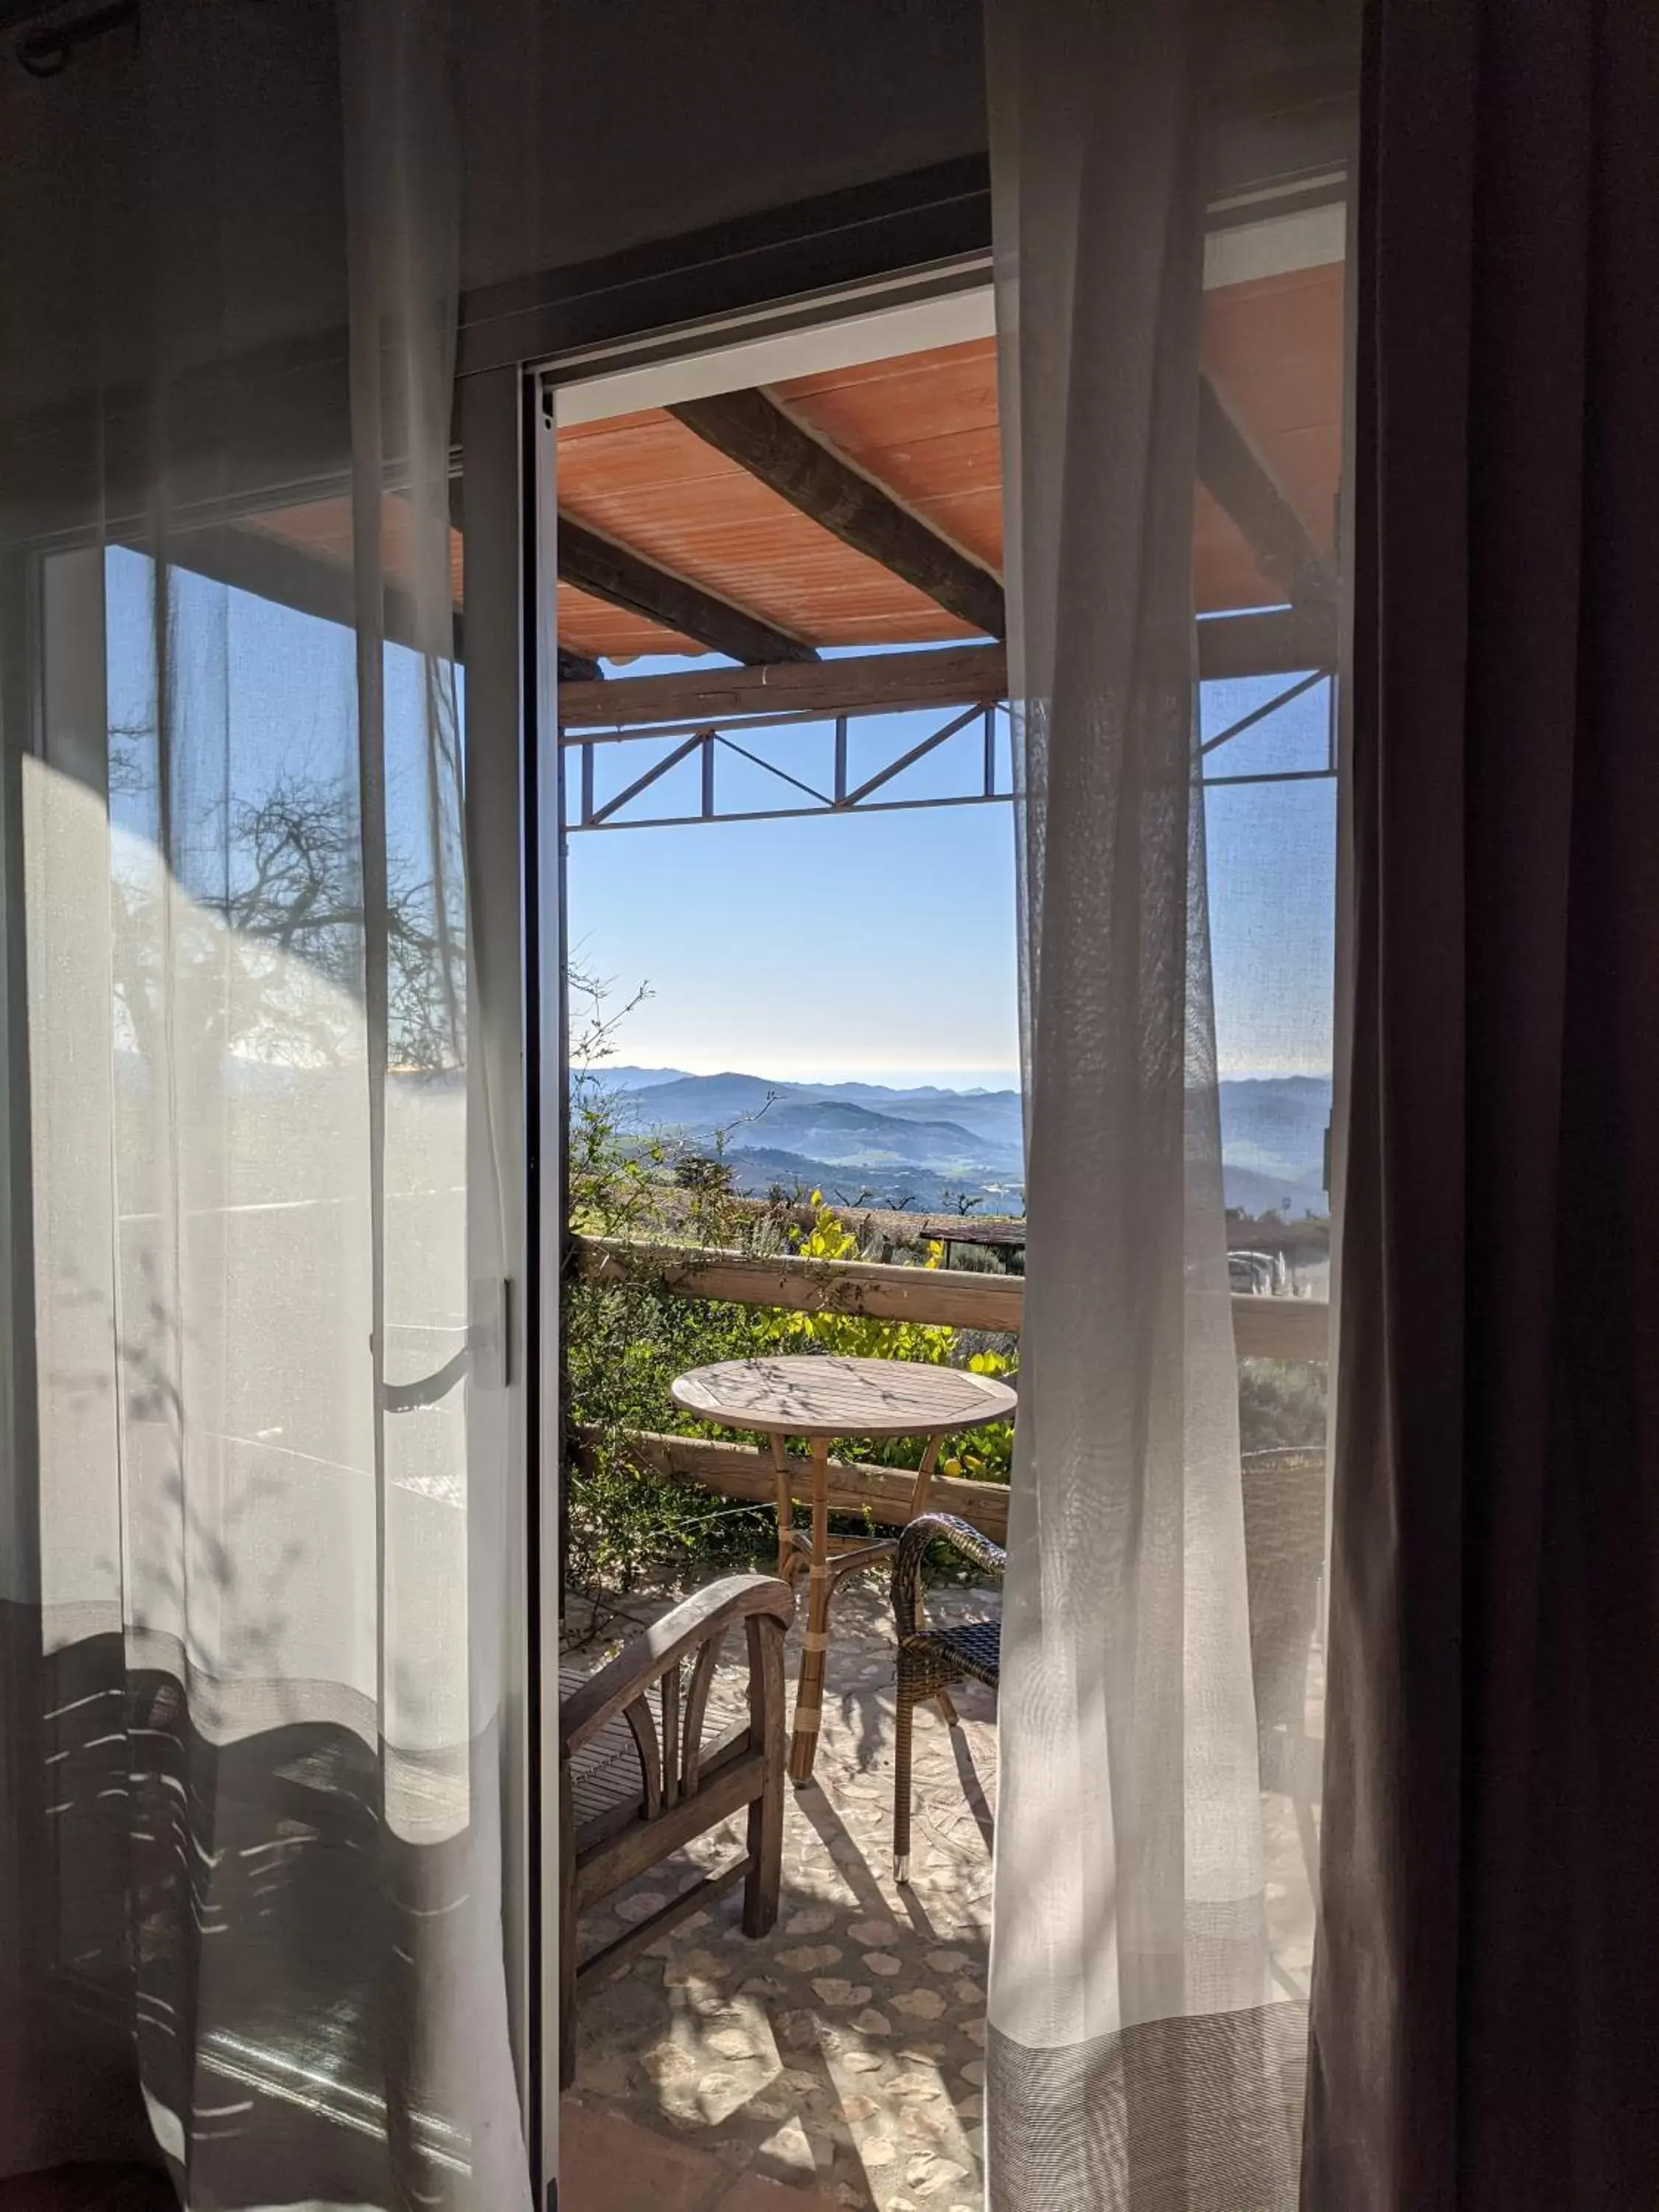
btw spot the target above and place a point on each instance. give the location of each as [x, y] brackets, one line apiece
[574, 667]
[605, 570]
[1242, 484]
[1276, 642]
[867, 684]
[1272, 644]
[754, 432]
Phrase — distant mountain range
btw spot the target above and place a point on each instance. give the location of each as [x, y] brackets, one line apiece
[930, 1146]
[1273, 1143]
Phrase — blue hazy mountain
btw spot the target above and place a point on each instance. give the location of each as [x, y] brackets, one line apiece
[760, 1170]
[931, 1144]
[1273, 1143]
[609, 1075]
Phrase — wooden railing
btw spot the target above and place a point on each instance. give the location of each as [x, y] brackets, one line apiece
[738, 1471]
[961, 1296]
[1263, 1328]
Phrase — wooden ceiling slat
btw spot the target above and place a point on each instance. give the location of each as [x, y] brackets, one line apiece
[1274, 348]
[1223, 558]
[324, 527]
[963, 378]
[605, 570]
[927, 426]
[664, 492]
[752, 429]
[607, 634]
[1235, 474]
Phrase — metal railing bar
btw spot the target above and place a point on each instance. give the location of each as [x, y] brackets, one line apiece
[799, 813]
[597, 734]
[644, 782]
[1280, 776]
[826, 807]
[1261, 714]
[915, 753]
[771, 767]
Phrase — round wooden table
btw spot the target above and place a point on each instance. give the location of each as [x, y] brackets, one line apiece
[817, 1399]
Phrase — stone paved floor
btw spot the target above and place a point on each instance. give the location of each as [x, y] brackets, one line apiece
[844, 2054]
[846, 2051]
[607, 2164]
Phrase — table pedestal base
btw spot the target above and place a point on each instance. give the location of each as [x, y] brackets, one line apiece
[824, 1565]
[817, 1397]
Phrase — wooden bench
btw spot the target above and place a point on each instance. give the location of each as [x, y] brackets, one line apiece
[637, 1784]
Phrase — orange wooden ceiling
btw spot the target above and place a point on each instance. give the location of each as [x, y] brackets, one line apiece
[657, 487]
[925, 428]
[323, 527]
[1274, 351]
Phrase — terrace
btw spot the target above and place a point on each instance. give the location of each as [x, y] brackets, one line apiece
[809, 546]
[844, 2052]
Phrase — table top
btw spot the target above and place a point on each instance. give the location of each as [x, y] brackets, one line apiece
[808, 1395]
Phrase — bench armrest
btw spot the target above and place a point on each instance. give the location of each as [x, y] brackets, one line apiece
[699, 1619]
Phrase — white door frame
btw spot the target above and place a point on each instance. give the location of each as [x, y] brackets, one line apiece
[517, 906]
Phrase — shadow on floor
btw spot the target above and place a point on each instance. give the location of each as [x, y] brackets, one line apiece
[841, 2057]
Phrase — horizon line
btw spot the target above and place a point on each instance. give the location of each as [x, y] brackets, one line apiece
[910, 1079]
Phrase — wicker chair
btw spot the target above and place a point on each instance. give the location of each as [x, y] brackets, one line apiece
[931, 1659]
[631, 1793]
[1284, 1555]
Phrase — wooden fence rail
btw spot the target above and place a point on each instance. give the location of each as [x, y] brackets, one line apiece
[739, 1471]
[1263, 1328]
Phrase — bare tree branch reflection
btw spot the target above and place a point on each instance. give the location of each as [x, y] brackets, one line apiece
[276, 896]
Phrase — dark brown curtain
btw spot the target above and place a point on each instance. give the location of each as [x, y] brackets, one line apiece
[1485, 2016]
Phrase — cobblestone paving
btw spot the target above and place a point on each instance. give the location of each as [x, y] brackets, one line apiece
[845, 2050]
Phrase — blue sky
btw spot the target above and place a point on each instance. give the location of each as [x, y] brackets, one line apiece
[879, 946]
[882, 946]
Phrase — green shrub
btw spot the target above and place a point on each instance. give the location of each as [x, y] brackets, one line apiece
[625, 1342]
[983, 1454]
[1281, 1404]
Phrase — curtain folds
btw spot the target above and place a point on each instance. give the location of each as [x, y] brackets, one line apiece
[1487, 2007]
[253, 1586]
[1147, 2038]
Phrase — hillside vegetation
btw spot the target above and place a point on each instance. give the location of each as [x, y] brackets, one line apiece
[660, 1155]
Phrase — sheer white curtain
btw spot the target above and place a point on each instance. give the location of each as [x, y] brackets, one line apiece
[254, 1590]
[1142, 2052]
